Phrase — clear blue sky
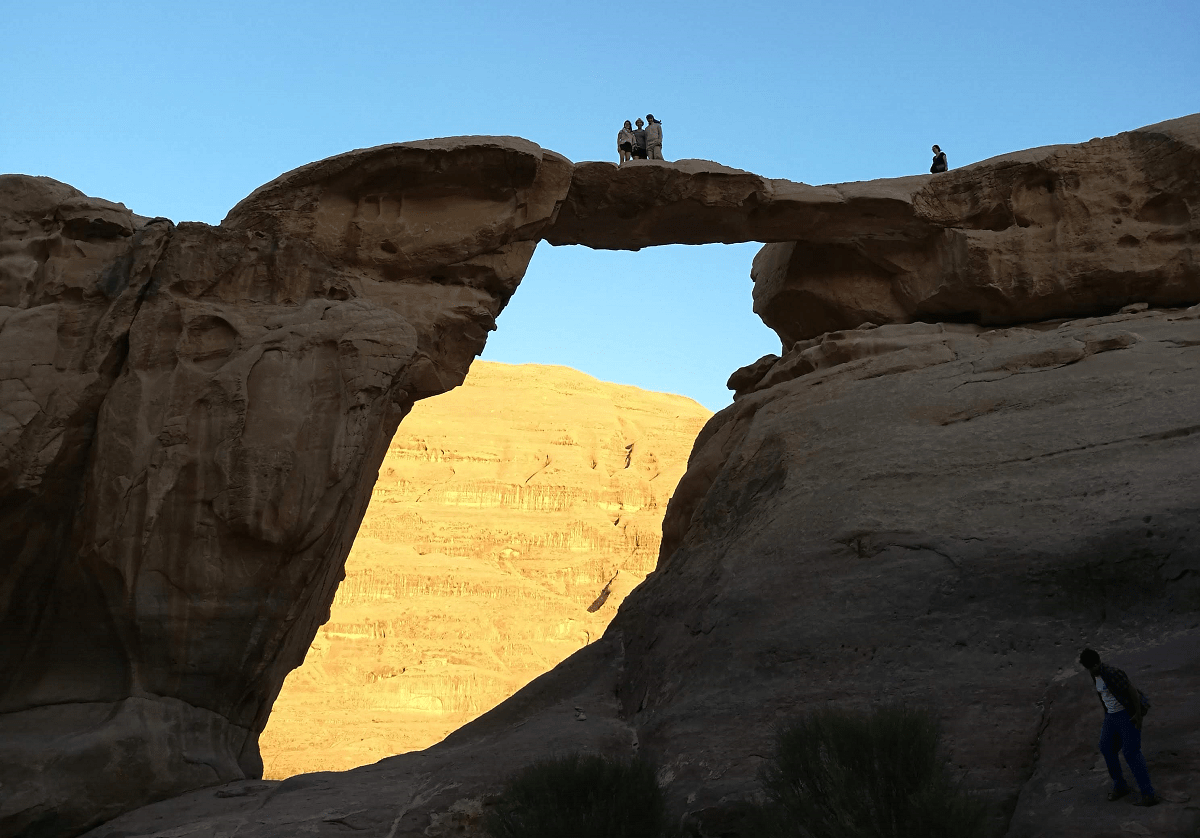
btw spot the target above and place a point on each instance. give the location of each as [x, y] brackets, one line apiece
[182, 109]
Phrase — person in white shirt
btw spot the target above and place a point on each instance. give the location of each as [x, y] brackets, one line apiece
[1124, 708]
[653, 137]
[625, 142]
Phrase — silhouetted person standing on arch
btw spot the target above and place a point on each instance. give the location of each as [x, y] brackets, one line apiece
[939, 161]
[625, 142]
[1123, 712]
[653, 137]
[639, 142]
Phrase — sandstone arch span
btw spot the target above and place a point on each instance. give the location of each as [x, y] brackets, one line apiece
[193, 415]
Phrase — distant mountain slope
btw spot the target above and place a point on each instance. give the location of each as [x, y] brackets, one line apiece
[511, 517]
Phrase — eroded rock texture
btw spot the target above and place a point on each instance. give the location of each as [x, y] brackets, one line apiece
[192, 422]
[1051, 232]
[645, 203]
[942, 515]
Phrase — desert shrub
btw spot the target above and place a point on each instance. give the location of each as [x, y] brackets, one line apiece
[837, 774]
[581, 796]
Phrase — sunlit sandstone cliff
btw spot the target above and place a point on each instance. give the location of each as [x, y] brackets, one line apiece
[510, 519]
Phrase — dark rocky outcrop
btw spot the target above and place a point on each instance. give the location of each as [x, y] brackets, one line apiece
[944, 516]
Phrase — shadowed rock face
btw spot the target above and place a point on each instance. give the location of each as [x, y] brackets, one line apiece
[193, 418]
[943, 515]
[945, 521]
[645, 203]
[192, 422]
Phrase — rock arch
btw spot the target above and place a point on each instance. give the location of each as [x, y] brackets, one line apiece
[193, 415]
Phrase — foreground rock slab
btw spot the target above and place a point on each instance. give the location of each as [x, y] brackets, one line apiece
[936, 514]
[941, 516]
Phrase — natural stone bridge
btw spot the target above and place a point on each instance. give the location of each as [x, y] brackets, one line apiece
[192, 416]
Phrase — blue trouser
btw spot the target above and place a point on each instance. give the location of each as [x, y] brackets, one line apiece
[1119, 733]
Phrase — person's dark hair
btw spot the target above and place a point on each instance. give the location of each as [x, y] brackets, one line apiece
[1088, 658]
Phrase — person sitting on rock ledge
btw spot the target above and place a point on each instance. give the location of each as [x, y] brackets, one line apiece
[653, 137]
[625, 142]
[1124, 708]
[939, 161]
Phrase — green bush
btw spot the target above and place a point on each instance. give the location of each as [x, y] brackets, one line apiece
[581, 796]
[837, 774]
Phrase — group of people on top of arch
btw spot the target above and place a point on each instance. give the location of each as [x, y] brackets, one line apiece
[640, 143]
[645, 143]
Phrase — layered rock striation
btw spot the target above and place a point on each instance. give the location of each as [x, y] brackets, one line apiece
[510, 519]
[195, 415]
